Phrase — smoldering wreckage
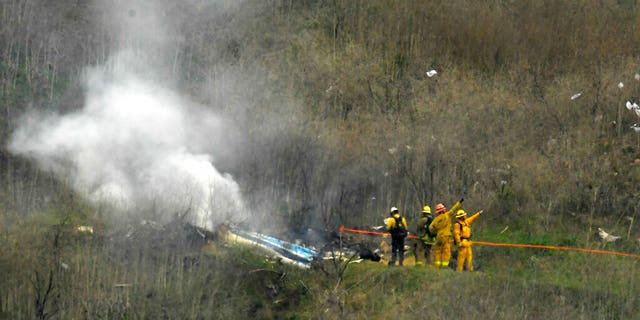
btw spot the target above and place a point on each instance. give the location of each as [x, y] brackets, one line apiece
[317, 247]
[311, 247]
[333, 246]
[321, 247]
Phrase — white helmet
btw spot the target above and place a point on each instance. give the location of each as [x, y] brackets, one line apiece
[393, 209]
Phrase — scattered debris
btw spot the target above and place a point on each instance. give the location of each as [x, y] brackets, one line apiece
[576, 96]
[200, 233]
[630, 105]
[85, 229]
[366, 253]
[633, 107]
[431, 73]
[606, 236]
[287, 252]
[154, 225]
[620, 85]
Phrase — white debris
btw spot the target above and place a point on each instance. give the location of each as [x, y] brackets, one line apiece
[337, 255]
[431, 73]
[635, 127]
[633, 107]
[637, 77]
[606, 236]
[620, 85]
[85, 229]
[576, 96]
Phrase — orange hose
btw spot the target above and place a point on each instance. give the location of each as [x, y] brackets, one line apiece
[517, 245]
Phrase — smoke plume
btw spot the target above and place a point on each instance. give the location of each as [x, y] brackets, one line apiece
[135, 145]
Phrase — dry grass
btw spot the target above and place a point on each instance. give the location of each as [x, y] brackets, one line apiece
[496, 125]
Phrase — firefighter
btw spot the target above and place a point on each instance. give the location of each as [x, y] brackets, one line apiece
[441, 227]
[397, 227]
[462, 236]
[425, 238]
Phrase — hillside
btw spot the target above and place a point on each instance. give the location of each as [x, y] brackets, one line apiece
[293, 118]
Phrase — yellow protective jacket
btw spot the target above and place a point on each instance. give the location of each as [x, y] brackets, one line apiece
[441, 225]
[391, 223]
[462, 230]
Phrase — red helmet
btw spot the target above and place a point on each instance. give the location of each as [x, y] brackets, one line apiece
[440, 208]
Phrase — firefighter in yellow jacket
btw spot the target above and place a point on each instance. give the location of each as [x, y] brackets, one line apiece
[462, 236]
[441, 227]
[422, 246]
[397, 227]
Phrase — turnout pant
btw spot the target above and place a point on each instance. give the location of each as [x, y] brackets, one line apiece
[397, 250]
[465, 255]
[441, 251]
[422, 250]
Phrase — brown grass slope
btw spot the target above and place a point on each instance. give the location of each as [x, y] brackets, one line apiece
[339, 123]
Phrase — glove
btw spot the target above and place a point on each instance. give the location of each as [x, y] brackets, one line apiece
[461, 199]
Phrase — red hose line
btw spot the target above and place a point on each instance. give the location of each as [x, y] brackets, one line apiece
[500, 244]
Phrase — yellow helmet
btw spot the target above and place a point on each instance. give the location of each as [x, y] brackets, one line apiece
[460, 214]
[426, 209]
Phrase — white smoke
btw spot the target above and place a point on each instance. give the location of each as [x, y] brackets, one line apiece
[135, 145]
